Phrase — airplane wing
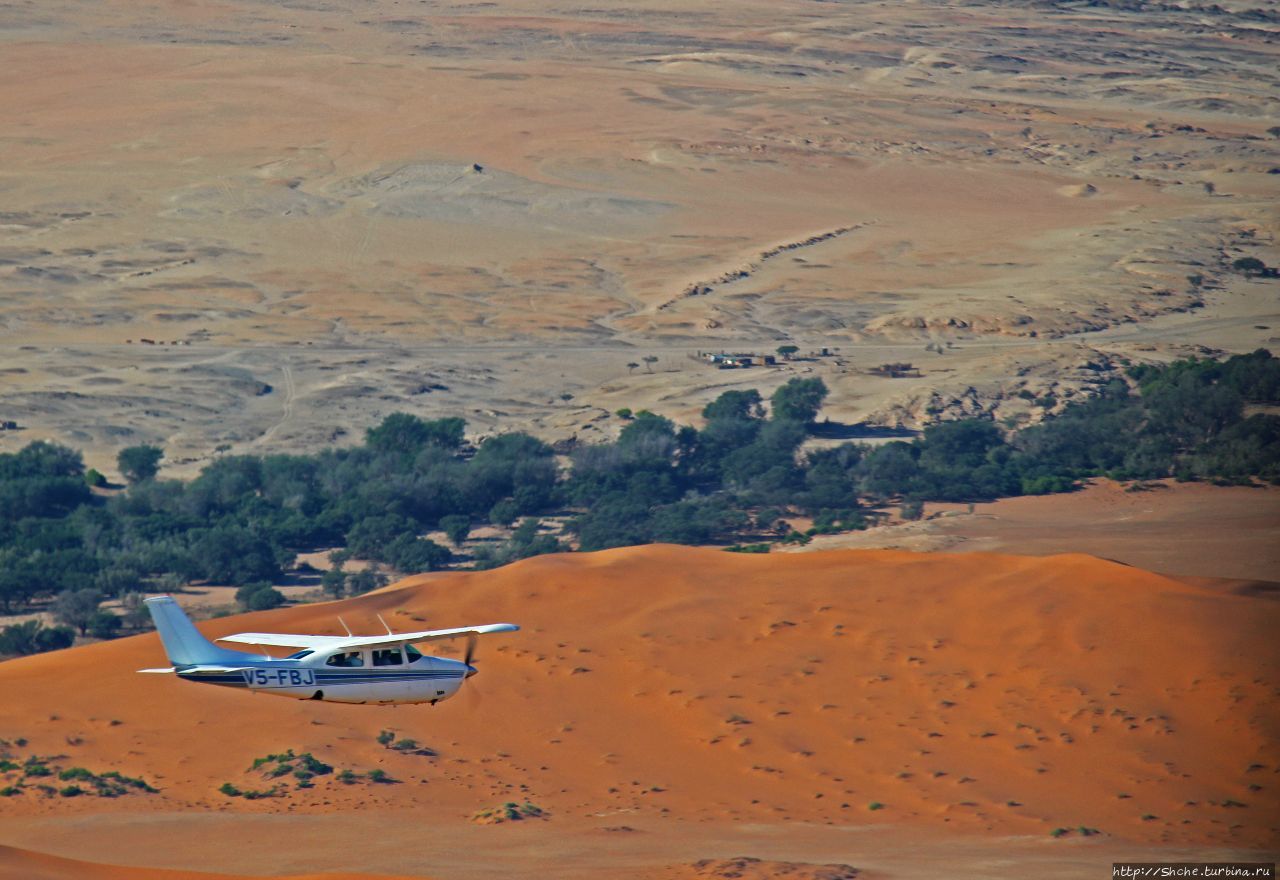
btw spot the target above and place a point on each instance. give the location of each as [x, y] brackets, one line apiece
[318, 643]
[200, 670]
[284, 640]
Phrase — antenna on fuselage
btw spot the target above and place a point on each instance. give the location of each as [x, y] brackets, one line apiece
[384, 623]
[344, 625]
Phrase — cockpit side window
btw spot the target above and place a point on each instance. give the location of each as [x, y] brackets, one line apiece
[388, 657]
[345, 660]
[412, 653]
[298, 656]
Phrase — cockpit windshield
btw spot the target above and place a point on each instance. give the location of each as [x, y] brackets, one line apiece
[307, 652]
[412, 654]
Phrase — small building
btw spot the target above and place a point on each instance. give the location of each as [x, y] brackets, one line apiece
[727, 361]
[897, 371]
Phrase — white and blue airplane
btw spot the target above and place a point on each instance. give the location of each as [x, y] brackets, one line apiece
[338, 669]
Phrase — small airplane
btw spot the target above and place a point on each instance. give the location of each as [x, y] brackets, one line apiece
[338, 669]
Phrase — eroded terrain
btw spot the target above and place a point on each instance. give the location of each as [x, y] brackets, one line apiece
[318, 212]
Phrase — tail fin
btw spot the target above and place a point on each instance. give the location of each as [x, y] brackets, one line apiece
[182, 641]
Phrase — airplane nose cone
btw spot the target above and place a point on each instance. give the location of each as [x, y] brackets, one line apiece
[471, 670]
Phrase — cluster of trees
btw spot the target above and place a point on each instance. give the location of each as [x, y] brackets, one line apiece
[244, 518]
[657, 482]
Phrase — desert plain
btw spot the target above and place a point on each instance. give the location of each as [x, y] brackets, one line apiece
[229, 226]
[316, 213]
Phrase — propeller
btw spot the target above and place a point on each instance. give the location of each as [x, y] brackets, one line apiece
[473, 695]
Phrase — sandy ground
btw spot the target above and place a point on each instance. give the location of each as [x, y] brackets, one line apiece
[17, 864]
[727, 705]
[316, 214]
[1181, 529]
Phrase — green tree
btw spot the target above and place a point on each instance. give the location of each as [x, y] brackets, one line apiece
[799, 400]
[104, 625]
[888, 470]
[41, 459]
[456, 526]
[369, 538]
[230, 554]
[404, 433]
[412, 555]
[788, 350]
[77, 608]
[735, 405]
[361, 582]
[138, 463]
[503, 513]
[259, 596]
[334, 582]
[136, 616]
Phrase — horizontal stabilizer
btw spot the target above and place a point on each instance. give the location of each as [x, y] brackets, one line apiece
[320, 643]
[170, 669]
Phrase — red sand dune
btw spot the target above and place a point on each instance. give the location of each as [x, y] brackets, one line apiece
[984, 692]
[19, 864]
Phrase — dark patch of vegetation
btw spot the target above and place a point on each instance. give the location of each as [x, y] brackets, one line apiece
[34, 767]
[303, 767]
[17, 777]
[509, 812]
[33, 637]
[749, 548]
[259, 596]
[243, 519]
[526, 540]
[138, 463]
[1254, 266]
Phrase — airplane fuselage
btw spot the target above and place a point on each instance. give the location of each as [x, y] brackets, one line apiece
[425, 680]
